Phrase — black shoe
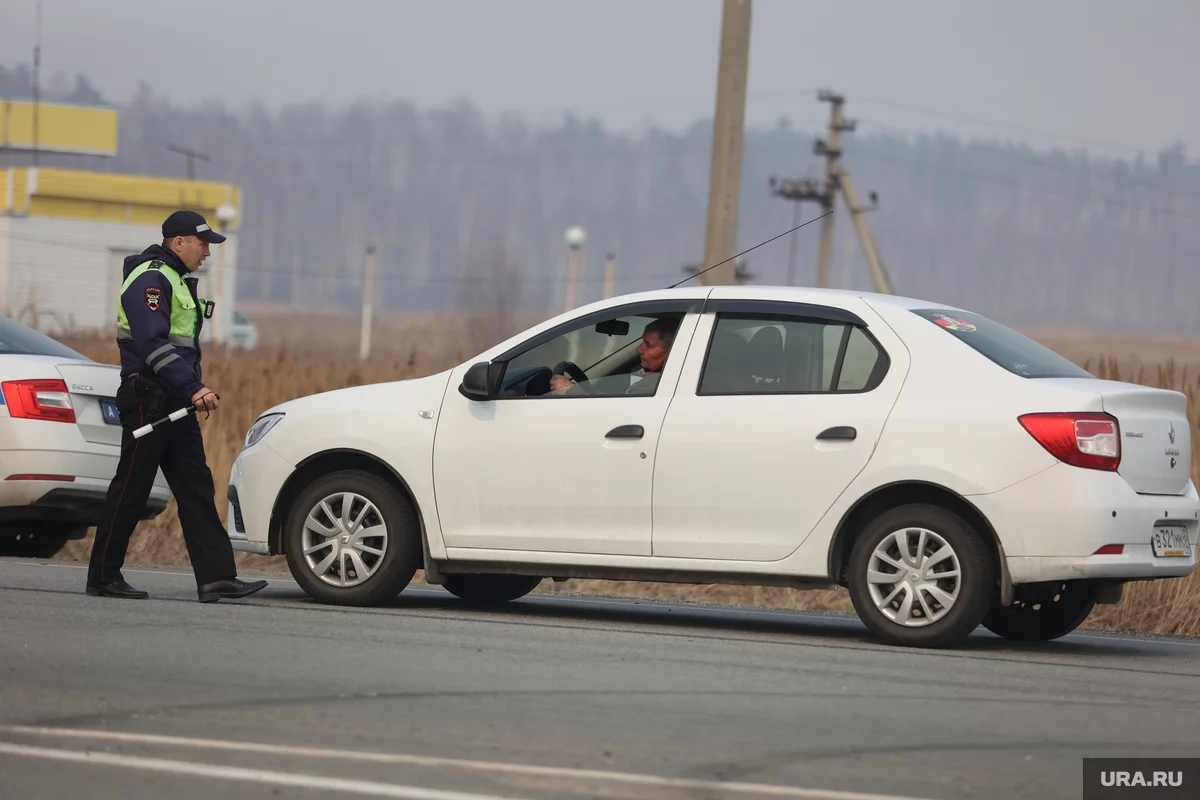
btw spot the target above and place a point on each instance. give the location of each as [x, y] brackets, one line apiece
[116, 589]
[230, 587]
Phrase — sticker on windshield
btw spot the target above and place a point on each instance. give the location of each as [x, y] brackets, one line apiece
[953, 323]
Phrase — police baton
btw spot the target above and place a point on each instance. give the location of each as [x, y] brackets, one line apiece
[167, 420]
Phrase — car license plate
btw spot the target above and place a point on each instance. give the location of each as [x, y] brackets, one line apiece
[112, 414]
[1171, 542]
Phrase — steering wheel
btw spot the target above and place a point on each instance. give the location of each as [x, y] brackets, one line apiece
[572, 371]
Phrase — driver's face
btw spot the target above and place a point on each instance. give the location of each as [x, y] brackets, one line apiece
[653, 352]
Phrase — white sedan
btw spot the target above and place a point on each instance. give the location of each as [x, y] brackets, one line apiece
[60, 439]
[947, 470]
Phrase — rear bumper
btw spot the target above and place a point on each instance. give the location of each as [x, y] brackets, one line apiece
[59, 452]
[1052, 524]
[79, 503]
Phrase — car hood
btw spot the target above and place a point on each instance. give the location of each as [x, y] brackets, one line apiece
[417, 394]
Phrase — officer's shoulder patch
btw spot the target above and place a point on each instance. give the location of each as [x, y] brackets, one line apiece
[153, 298]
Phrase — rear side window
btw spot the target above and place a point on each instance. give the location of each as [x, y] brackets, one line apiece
[754, 353]
[1014, 351]
[16, 339]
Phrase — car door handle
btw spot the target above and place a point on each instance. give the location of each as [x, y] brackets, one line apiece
[843, 433]
[626, 432]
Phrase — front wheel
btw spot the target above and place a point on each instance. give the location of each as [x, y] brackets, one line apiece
[489, 587]
[921, 576]
[1042, 611]
[352, 538]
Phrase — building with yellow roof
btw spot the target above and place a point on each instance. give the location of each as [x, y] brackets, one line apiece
[64, 233]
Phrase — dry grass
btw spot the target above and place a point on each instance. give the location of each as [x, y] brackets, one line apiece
[304, 355]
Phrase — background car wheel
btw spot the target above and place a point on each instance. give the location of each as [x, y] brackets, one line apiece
[488, 587]
[1042, 611]
[38, 540]
[352, 538]
[921, 576]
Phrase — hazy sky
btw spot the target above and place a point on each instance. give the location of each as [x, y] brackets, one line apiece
[1115, 75]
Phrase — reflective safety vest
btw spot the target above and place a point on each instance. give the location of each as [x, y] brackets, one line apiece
[185, 313]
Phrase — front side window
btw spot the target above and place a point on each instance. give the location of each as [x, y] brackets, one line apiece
[616, 356]
[772, 354]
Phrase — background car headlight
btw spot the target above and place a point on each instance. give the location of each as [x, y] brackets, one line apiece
[259, 429]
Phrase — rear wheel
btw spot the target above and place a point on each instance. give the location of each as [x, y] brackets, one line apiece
[1042, 611]
[921, 576]
[352, 538]
[489, 587]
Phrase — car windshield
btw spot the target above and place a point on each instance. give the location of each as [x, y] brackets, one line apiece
[17, 339]
[1014, 351]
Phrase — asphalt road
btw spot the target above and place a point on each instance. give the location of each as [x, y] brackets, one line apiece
[275, 696]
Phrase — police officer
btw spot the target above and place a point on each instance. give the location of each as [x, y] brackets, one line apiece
[159, 318]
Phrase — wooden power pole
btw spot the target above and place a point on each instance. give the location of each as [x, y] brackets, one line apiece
[837, 178]
[725, 176]
[368, 305]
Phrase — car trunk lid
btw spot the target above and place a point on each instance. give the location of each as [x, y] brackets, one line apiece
[1156, 436]
[92, 387]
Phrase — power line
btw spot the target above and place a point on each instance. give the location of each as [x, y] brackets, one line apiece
[1003, 125]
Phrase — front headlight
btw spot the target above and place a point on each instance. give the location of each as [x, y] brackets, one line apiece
[259, 429]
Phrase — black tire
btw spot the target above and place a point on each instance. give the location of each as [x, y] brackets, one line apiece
[38, 540]
[1041, 612]
[401, 557]
[976, 583]
[489, 587]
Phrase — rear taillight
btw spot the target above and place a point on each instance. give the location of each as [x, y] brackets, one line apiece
[1091, 441]
[38, 399]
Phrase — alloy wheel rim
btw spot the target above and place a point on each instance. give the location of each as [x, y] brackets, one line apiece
[344, 539]
[914, 577]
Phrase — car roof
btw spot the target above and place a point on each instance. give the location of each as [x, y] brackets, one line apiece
[795, 294]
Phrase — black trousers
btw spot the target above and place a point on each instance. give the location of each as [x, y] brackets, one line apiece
[179, 449]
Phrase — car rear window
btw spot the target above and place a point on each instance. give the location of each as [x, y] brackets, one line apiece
[1014, 351]
[17, 339]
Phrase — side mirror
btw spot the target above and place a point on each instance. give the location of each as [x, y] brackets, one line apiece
[477, 383]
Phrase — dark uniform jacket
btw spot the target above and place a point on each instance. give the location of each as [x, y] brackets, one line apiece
[151, 351]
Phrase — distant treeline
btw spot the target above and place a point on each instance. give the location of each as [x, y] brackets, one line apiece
[470, 212]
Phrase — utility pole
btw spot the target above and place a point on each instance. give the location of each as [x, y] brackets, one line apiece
[610, 267]
[832, 150]
[837, 178]
[878, 274]
[801, 190]
[192, 155]
[725, 172]
[364, 336]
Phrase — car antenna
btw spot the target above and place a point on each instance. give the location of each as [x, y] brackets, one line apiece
[760, 244]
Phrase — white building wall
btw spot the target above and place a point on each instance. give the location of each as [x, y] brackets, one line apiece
[62, 275]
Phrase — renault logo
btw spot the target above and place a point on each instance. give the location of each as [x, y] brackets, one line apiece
[1171, 432]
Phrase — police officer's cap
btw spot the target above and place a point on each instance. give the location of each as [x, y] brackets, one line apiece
[189, 223]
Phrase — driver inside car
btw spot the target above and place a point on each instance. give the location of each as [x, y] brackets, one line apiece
[657, 338]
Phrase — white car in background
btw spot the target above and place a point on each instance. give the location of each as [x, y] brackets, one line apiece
[60, 439]
[947, 470]
[242, 333]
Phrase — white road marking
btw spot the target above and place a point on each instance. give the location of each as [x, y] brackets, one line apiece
[452, 763]
[241, 774]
